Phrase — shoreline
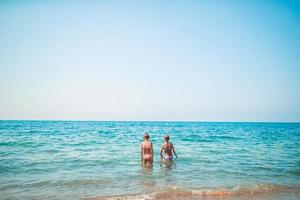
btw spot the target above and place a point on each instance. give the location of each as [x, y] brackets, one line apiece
[260, 191]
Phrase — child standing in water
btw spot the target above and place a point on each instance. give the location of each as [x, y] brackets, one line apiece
[147, 150]
[168, 148]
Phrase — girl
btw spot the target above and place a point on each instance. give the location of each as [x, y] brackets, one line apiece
[168, 149]
[147, 150]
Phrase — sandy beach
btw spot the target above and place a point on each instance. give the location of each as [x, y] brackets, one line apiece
[261, 192]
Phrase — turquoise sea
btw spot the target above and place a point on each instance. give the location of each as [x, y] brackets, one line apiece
[98, 160]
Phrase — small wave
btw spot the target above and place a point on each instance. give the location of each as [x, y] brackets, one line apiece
[76, 183]
[87, 182]
[295, 172]
[8, 143]
[177, 192]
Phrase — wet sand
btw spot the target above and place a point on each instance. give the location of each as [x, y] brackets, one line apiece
[262, 192]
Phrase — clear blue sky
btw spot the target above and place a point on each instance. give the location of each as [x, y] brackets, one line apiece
[150, 60]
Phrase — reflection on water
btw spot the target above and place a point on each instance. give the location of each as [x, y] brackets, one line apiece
[149, 175]
[167, 165]
[147, 169]
[146, 181]
[167, 171]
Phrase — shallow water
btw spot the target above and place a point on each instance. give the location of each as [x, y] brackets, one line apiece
[82, 159]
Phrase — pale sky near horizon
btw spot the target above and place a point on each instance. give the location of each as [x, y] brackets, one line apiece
[150, 60]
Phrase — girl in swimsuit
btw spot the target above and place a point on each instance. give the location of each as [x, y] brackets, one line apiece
[168, 148]
[147, 150]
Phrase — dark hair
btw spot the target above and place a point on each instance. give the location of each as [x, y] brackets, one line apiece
[167, 137]
[146, 136]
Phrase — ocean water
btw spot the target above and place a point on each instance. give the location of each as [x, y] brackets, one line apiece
[98, 160]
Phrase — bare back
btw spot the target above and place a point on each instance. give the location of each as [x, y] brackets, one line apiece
[147, 147]
[168, 148]
[147, 152]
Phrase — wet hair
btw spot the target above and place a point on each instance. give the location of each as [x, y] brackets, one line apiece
[146, 136]
[166, 137]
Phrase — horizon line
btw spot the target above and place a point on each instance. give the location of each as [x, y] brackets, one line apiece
[193, 121]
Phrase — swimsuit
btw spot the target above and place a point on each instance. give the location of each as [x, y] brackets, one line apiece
[147, 153]
[169, 158]
[168, 152]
